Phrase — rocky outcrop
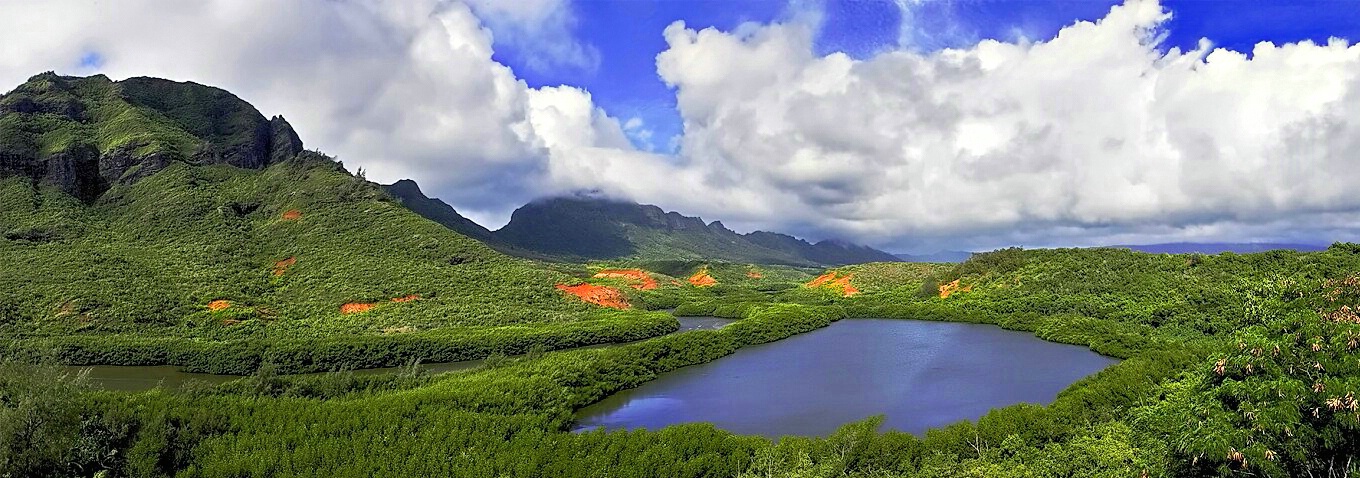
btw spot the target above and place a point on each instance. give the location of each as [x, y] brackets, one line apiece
[76, 172]
[284, 143]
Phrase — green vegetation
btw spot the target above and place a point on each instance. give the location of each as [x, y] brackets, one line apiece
[1184, 402]
[204, 265]
[131, 281]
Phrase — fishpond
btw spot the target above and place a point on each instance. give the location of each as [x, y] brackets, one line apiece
[918, 374]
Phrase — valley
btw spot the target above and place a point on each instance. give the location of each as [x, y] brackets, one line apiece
[172, 227]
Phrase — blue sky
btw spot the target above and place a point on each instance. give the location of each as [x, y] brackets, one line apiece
[627, 34]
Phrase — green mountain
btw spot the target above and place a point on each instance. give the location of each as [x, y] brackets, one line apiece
[579, 228]
[152, 222]
[607, 229]
[86, 135]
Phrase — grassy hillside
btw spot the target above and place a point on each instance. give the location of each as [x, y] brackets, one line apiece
[135, 276]
[221, 246]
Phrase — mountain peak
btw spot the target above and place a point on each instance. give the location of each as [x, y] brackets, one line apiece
[406, 185]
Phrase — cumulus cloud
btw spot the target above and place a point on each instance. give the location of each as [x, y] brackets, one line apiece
[1096, 129]
[1094, 136]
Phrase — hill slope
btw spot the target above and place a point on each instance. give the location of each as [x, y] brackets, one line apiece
[203, 236]
[410, 195]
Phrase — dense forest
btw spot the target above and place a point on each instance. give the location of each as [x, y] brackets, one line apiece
[1232, 364]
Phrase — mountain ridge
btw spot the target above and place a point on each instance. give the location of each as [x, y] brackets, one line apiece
[574, 227]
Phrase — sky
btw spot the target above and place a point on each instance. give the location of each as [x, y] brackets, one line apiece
[909, 125]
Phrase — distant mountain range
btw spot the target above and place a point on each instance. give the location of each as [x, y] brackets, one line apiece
[1219, 247]
[576, 228]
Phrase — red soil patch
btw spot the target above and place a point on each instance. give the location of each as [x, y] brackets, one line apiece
[282, 266]
[292, 215]
[642, 281]
[356, 307]
[832, 280]
[407, 298]
[702, 279]
[596, 294]
[951, 288]
[754, 274]
[217, 305]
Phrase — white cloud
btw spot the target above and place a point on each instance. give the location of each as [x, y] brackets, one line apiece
[539, 30]
[1093, 128]
[1093, 136]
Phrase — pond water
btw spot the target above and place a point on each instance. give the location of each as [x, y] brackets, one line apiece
[132, 378]
[918, 374]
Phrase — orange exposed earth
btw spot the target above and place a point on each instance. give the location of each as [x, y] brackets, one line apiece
[832, 280]
[949, 289]
[217, 305]
[754, 274]
[282, 266]
[596, 294]
[642, 279]
[702, 279]
[292, 215]
[356, 307]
